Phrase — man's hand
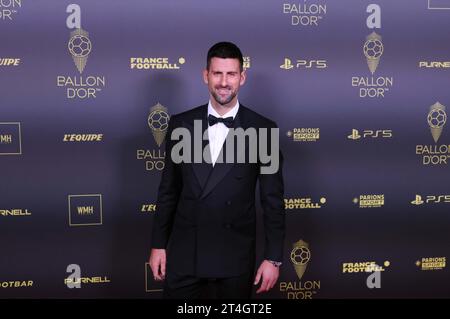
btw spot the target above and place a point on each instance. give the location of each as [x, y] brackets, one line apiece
[269, 274]
[158, 263]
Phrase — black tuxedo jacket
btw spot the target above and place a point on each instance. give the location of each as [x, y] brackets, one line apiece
[206, 217]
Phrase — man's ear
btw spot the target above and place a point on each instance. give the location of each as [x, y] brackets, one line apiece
[205, 76]
[243, 77]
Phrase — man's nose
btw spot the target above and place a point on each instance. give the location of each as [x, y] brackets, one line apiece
[224, 81]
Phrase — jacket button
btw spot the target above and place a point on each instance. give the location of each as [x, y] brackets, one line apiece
[227, 226]
[228, 202]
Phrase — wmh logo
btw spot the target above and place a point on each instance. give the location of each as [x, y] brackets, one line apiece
[10, 137]
[85, 210]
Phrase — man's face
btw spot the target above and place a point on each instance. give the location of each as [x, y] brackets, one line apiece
[224, 78]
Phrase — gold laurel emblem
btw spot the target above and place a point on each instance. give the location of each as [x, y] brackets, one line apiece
[436, 120]
[80, 46]
[300, 256]
[158, 121]
[373, 50]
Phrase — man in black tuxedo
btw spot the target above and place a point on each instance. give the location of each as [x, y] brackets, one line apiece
[206, 218]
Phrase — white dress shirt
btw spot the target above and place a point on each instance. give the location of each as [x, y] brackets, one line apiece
[218, 132]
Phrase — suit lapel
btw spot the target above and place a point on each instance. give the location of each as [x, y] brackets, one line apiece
[220, 170]
[202, 170]
[209, 176]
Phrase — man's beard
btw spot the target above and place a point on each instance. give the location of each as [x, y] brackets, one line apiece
[223, 101]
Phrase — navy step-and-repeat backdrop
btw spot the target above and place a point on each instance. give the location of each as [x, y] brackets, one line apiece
[359, 89]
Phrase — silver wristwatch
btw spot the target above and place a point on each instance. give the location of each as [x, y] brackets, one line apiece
[275, 263]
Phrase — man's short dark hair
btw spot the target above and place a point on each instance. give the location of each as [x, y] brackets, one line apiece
[225, 50]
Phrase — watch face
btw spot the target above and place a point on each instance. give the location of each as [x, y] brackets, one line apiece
[275, 263]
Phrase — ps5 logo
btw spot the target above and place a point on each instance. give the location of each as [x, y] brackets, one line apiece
[303, 64]
[370, 133]
[431, 199]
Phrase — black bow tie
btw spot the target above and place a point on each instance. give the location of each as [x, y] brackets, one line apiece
[227, 121]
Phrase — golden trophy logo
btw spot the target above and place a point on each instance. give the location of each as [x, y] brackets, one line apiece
[435, 154]
[373, 50]
[158, 121]
[287, 65]
[436, 120]
[355, 135]
[373, 86]
[300, 256]
[417, 201]
[80, 47]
